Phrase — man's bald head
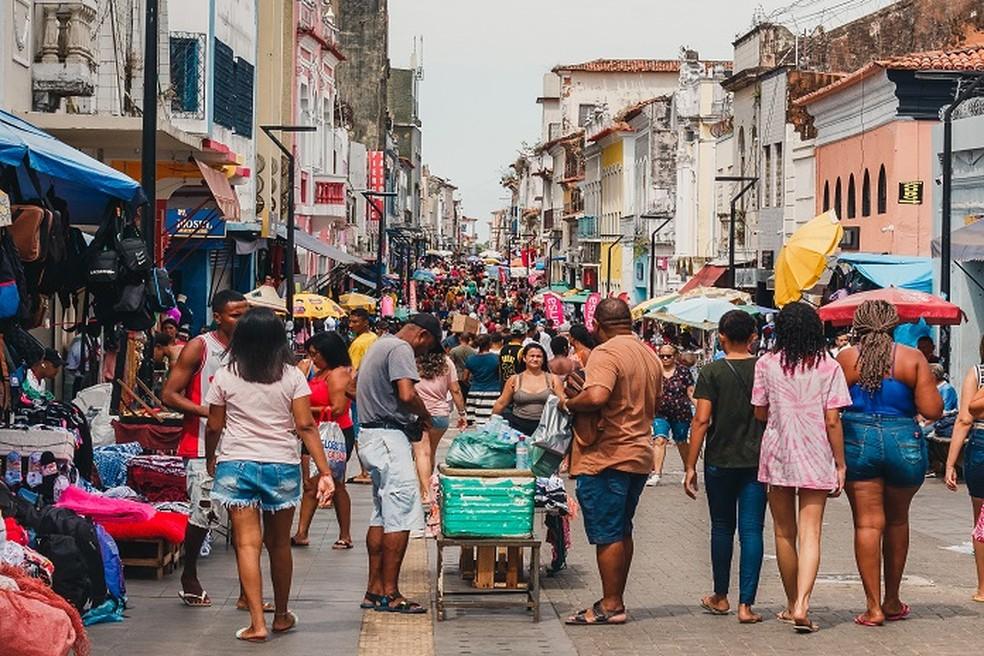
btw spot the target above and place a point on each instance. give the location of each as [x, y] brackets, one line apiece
[613, 317]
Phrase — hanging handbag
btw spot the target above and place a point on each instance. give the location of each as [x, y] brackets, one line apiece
[554, 433]
[131, 299]
[133, 250]
[26, 231]
[160, 296]
[333, 439]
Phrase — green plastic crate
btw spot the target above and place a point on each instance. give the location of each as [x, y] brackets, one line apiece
[482, 507]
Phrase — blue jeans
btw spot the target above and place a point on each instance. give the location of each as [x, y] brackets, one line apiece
[736, 499]
[974, 463]
[878, 446]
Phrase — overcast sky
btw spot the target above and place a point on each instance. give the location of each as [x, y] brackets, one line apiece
[484, 64]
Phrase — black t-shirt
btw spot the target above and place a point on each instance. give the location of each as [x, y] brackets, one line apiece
[734, 436]
[508, 359]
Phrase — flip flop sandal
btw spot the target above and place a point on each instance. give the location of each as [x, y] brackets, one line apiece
[901, 615]
[294, 622]
[268, 607]
[712, 610]
[370, 600]
[580, 618]
[407, 607]
[806, 628]
[978, 598]
[861, 620]
[295, 543]
[341, 545]
[785, 618]
[241, 635]
[195, 601]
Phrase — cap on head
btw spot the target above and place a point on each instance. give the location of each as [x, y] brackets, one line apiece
[431, 324]
[52, 356]
[518, 328]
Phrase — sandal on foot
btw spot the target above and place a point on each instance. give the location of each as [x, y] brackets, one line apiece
[711, 609]
[241, 635]
[342, 544]
[861, 620]
[370, 600]
[297, 543]
[293, 622]
[599, 616]
[978, 598]
[405, 607]
[901, 615]
[785, 617]
[810, 627]
[195, 600]
[267, 607]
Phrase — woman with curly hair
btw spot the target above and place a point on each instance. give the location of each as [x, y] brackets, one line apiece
[798, 393]
[886, 453]
[438, 378]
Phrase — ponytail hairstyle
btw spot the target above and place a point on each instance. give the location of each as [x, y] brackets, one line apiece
[874, 322]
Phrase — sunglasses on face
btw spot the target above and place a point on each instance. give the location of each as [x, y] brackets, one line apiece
[666, 356]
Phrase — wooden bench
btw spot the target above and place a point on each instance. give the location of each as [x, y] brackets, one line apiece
[156, 555]
[497, 569]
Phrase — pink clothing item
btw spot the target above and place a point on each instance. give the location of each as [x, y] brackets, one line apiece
[259, 421]
[795, 450]
[434, 392]
[100, 509]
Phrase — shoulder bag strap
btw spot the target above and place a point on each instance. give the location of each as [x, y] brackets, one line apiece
[744, 386]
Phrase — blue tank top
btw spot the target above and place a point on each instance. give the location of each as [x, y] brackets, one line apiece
[893, 399]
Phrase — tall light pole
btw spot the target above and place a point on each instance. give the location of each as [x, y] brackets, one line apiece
[289, 255]
[731, 224]
[148, 149]
[369, 195]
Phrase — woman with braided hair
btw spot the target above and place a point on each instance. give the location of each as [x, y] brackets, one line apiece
[798, 392]
[885, 451]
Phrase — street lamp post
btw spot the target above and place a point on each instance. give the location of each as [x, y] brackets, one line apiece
[369, 195]
[652, 248]
[611, 247]
[731, 224]
[289, 255]
[148, 148]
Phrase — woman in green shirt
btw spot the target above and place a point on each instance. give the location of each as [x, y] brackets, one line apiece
[735, 498]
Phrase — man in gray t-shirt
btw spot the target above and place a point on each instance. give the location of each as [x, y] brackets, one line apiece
[390, 411]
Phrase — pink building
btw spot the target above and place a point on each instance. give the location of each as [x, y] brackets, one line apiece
[874, 150]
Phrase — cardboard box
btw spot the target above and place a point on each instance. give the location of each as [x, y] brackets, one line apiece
[462, 323]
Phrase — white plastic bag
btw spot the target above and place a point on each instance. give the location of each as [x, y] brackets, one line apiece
[554, 432]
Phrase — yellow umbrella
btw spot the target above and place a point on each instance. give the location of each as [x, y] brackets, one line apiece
[354, 300]
[803, 259]
[314, 306]
[652, 304]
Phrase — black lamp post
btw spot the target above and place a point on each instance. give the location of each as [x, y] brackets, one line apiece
[289, 255]
[369, 195]
[731, 224]
[148, 148]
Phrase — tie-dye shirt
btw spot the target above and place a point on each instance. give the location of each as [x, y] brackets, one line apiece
[795, 450]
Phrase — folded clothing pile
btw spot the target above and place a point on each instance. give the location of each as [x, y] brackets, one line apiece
[111, 462]
[158, 478]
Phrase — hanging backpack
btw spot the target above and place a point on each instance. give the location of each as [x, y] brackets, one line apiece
[112, 564]
[160, 296]
[133, 250]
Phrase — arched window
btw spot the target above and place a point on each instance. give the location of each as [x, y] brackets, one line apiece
[882, 191]
[866, 194]
[852, 199]
[837, 198]
[826, 195]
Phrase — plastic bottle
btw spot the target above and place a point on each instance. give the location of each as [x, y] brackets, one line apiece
[522, 454]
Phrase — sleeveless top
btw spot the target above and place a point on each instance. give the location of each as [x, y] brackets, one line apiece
[529, 405]
[192, 444]
[320, 398]
[893, 399]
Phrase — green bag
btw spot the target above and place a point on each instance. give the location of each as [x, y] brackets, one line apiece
[481, 450]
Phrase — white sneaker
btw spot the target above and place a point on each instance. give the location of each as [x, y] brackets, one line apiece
[653, 480]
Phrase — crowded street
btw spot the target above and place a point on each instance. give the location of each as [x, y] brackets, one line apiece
[589, 328]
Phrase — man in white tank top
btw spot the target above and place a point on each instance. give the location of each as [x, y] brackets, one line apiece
[185, 391]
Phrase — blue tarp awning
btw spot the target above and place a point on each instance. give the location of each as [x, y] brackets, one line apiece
[86, 184]
[905, 272]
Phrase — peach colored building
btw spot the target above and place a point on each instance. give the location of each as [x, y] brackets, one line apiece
[874, 151]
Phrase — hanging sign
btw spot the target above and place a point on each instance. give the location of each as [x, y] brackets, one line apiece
[911, 193]
[413, 295]
[589, 309]
[553, 307]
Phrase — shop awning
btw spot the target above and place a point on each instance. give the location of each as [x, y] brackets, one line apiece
[706, 277]
[966, 244]
[315, 245]
[901, 271]
[371, 284]
[225, 198]
[86, 184]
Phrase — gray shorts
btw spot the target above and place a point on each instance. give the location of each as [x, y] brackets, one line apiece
[204, 514]
[387, 456]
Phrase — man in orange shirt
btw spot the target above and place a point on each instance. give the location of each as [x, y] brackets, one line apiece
[611, 458]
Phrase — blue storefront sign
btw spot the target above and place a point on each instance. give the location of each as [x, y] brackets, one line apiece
[204, 223]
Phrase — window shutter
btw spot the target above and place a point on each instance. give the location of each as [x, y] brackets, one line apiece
[225, 86]
[243, 105]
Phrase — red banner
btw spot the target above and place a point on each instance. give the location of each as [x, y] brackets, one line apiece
[376, 164]
[553, 307]
[589, 309]
[502, 275]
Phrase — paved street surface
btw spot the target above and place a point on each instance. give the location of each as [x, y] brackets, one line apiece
[670, 573]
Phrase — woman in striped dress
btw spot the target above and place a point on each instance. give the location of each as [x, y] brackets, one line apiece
[482, 375]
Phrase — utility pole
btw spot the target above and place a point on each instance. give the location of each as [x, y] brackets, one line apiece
[731, 224]
[148, 151]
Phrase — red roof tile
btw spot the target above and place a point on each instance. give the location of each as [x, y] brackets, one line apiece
[623, 66]
[619, 126]
[970, 58]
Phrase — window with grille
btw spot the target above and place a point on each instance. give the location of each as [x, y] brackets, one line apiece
[187, 74]
[243, 104]
[780, 180]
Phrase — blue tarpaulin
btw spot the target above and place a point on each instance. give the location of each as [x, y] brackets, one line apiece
[86, 184]
[901, 271]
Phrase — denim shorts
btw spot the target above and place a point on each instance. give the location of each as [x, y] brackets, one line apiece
[974, 463]
[387, 456]
[269, 486]
[877, 446]
[608, 502]
[440, 422]
[666, 429]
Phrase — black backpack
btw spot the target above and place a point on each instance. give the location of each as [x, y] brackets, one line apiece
[71, 579]
[160, 296]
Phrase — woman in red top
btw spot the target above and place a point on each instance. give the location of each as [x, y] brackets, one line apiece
[329, 374]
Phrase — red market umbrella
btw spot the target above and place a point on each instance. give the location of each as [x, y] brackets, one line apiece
[911, 305]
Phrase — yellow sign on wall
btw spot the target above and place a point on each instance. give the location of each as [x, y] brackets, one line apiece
[611, 155]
